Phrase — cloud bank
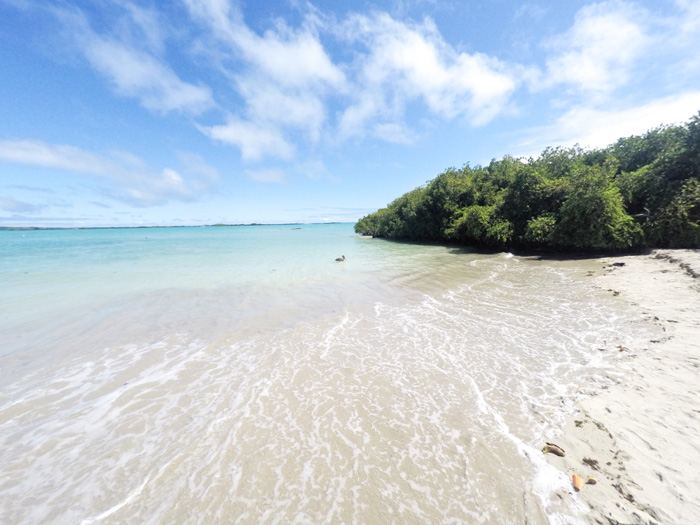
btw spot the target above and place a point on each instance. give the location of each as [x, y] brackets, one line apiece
[131, 180]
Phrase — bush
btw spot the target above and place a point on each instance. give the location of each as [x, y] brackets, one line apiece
[567, 198]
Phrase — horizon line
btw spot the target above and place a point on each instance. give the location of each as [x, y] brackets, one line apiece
[216, 225]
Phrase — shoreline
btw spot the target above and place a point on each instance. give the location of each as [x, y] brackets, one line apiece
[638, 439]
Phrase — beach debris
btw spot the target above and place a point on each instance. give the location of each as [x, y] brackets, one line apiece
[593, 463]
[591, 481]
[578, 482]
[622, 348]
[618, 264]
[684, 266]
[629, 497]
[551, 448]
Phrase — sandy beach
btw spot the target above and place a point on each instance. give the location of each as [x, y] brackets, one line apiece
[639, 439]
[409, 384]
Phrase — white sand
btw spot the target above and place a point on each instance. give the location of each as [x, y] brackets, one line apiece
[640, 439]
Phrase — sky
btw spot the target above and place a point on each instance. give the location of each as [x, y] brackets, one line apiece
[193, 112]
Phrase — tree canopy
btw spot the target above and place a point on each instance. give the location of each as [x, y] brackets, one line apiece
[642, 191]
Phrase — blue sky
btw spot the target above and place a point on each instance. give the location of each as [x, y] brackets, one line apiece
[120, 112]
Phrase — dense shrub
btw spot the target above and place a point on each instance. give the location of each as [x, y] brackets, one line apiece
[641, 191]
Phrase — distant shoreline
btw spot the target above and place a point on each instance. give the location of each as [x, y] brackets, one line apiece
[35, 228]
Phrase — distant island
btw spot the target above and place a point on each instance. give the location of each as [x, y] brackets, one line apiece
[32, 228]
[640, 192]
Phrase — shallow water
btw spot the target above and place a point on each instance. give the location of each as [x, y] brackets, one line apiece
[241, 375]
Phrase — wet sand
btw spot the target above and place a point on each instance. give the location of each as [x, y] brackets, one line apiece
[639, 439]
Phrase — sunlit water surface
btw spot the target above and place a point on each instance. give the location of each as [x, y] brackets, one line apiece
[241, 375]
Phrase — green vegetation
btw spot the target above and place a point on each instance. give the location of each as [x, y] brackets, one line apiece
[642, 191]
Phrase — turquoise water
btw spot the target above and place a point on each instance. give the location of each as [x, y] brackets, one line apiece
[54, 279]
[242, 375]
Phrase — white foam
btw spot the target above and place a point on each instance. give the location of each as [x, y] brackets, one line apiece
[428, 406]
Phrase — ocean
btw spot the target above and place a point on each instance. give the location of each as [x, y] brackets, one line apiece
[239, 374]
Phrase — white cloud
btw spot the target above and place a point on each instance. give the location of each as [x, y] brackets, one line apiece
[142, 27]
[596, 128]
[689, 22]
[287, 80]
[283, 76]
[315, 170]
[287, 57]
[11, 205]
[680, 41]
[140, 75]
[135, 181]
[290, 58]
[533, 11]
[599, 51]
[355, 118]
[275, 175]
[389, 74]
[268, 103]
[611, 59]
[411, 62]
[206, 174]
[136, 72]
[253, 139]
[395, 133]
[36, 153]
